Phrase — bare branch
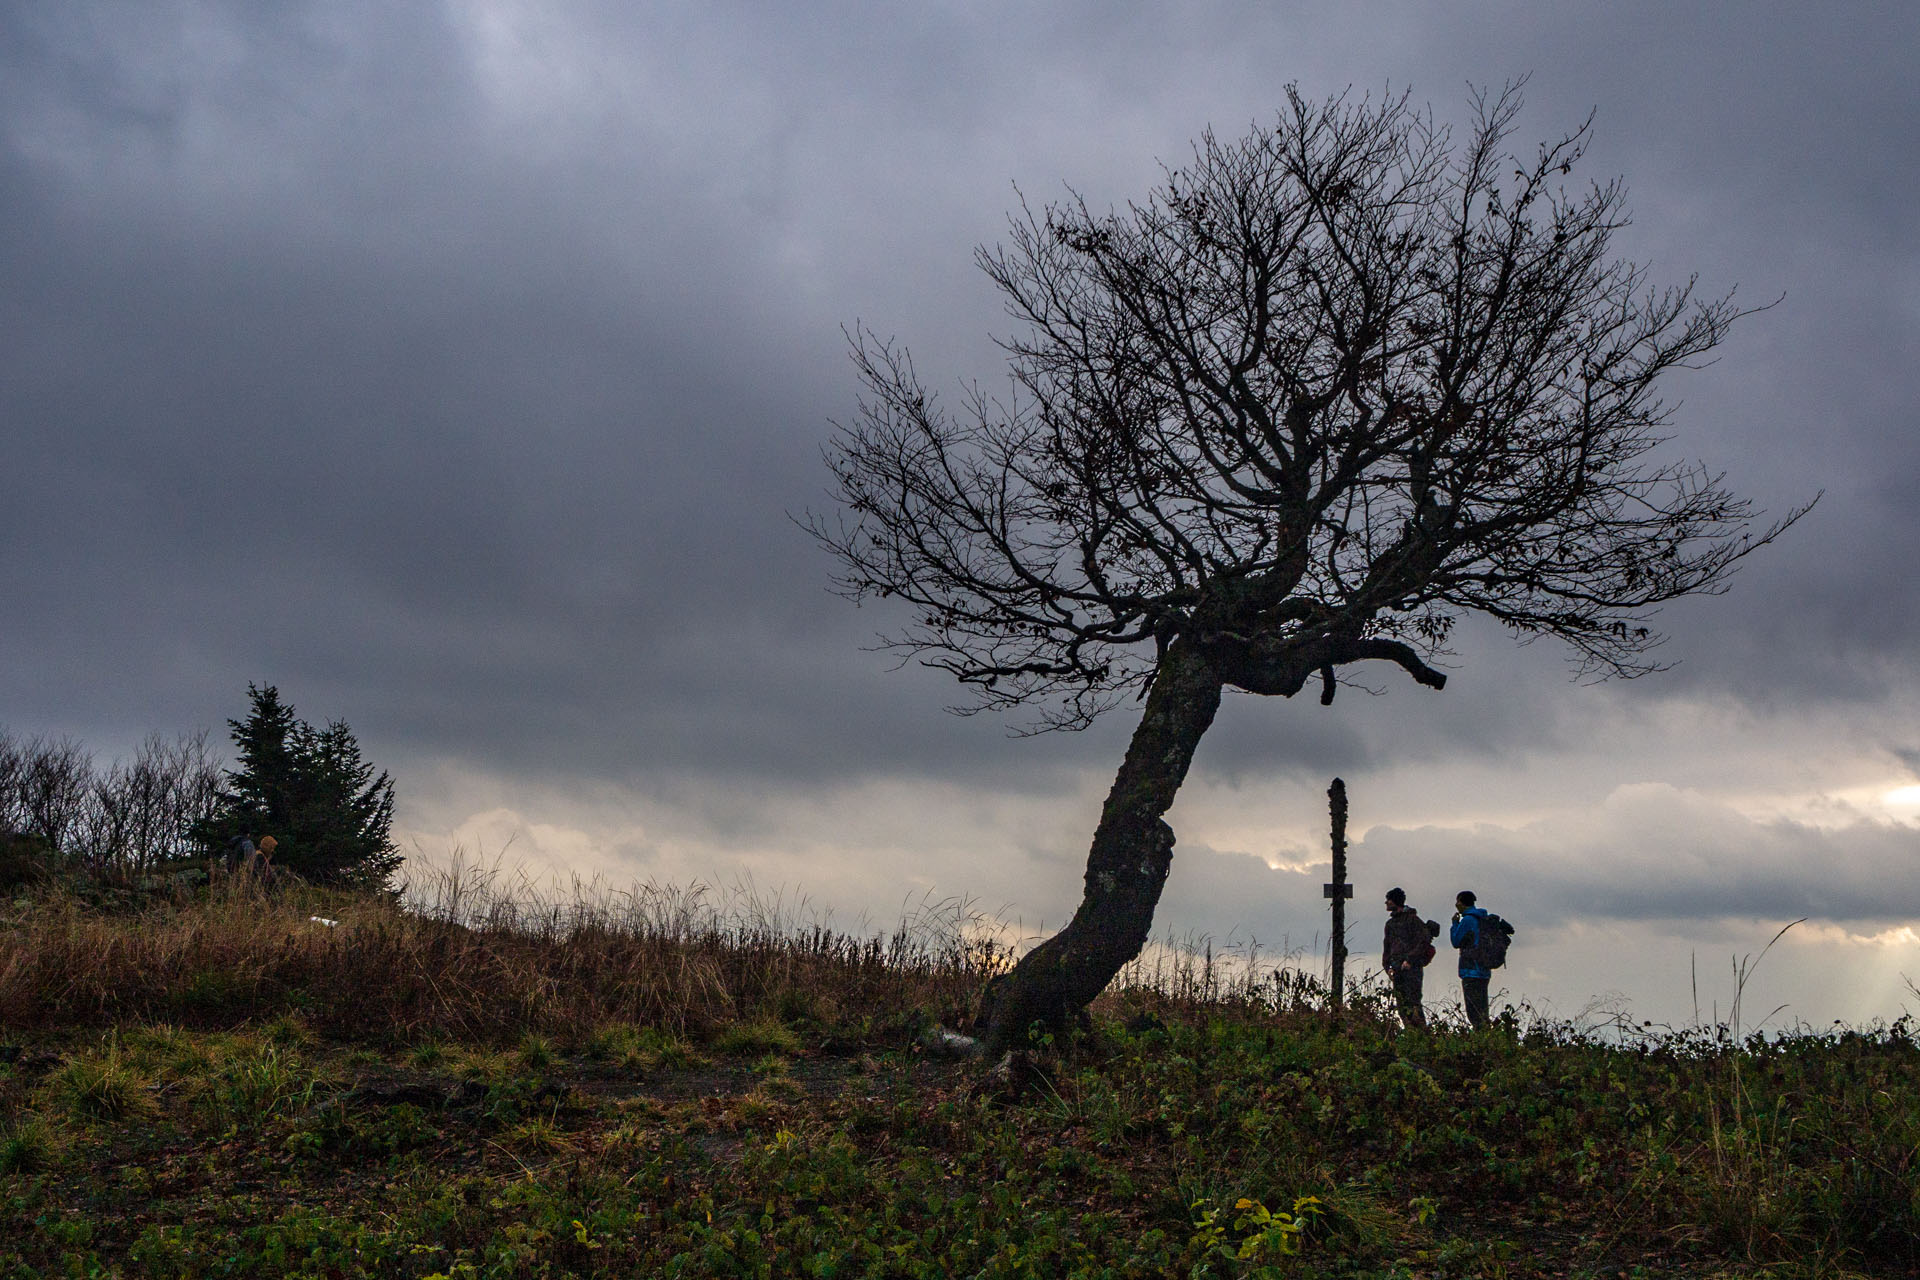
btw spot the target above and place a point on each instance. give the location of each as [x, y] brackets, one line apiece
[1327, 389]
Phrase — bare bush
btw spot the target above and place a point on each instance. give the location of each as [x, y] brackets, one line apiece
[53, 786]
[13, 764]
[126, 820]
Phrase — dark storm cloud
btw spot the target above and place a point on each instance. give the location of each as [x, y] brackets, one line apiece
[417, 444]
[455, 368]
[1762, 146]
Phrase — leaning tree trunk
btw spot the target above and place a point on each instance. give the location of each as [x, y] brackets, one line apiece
[1126, 867]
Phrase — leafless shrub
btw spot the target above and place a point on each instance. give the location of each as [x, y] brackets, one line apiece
[120, 822]
[13, 764]
[52, 789]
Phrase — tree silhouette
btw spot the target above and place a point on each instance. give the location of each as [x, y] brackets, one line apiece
[1326, 390]
[328, 811]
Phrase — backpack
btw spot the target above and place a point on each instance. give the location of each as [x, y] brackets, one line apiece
[1489, 950]
[1427, 952]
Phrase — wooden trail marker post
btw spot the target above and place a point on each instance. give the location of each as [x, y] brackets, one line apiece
[1339, 890]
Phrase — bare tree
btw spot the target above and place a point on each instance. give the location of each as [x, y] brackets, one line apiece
[193, 774]
[121, 822]
[52, 788]
[1326, 390]
[13, 767]
[138, 814]
[104, 843]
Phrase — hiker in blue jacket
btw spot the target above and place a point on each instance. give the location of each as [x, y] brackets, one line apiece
[1465, 936]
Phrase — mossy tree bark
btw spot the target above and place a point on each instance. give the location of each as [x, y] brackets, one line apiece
[1126, 868]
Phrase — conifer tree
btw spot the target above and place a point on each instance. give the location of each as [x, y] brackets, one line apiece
[327, 809]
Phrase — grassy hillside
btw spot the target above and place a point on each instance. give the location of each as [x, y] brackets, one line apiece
[649, 1085]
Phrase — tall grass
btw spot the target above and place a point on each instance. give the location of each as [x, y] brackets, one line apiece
[471, 953]
[1193, 969]
[474, 951]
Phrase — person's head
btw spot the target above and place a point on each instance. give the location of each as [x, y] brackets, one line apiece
[267, 844]
[1464, 900]
[1396, 898]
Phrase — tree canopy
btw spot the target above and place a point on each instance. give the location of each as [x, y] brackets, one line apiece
[1327, 389]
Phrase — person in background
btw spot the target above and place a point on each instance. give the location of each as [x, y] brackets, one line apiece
[263, 868]
[1403, 953]
[1474, 976]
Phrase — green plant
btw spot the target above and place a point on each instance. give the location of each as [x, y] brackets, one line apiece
[27, 1146]
[483, 1064]
[641, 1048]
[536, 1052]
[761, 1036]
[290, 1031]
[617, 1042]
[772, 1065]
[1794, 1154]
[538, 1136]
[166, 1053]
[103, 1086]
[391, 1130]
[668, 1052]
[212, 991]
[428, 1054]
[1259, 1236]
[1474, 1259]
[254, 1082]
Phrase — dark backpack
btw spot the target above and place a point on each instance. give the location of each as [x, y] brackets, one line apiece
[1427, 952]
[1489, 950]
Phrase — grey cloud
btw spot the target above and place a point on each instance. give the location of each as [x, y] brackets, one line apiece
[459, 378]
[1655, 854]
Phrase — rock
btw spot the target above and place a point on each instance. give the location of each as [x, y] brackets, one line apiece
[949, 1044]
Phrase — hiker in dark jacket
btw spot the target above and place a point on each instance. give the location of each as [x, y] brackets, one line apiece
[1465, 935]
[1403, 954]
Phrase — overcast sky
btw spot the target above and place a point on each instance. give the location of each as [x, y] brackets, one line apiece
[457, 367]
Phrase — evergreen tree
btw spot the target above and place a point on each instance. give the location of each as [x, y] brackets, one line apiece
[258, 789]
[311, 790]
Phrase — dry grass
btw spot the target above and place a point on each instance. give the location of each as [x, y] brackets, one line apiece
[470, 955]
